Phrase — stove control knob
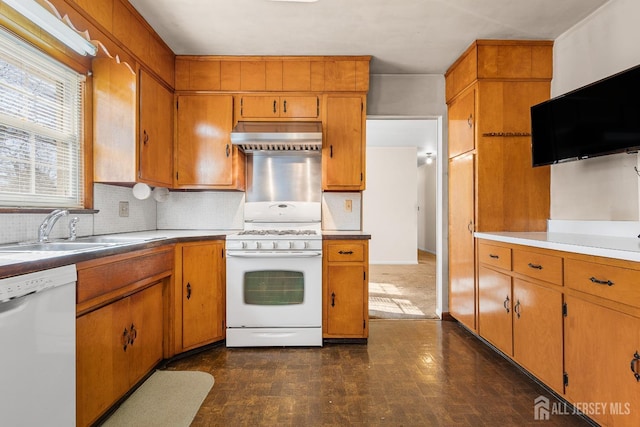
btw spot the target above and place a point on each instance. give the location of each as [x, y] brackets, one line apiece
[244, 245]
[306, 245]
[290, 244]
[258, 245]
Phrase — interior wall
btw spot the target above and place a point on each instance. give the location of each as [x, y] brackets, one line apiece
[604, 188]
[389, 205]
[427, 207]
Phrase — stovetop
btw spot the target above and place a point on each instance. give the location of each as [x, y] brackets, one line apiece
[278, 232]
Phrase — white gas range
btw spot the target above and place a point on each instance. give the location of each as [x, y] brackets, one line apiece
[274, 276]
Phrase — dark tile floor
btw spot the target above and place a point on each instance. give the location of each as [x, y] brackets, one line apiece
[411, 373]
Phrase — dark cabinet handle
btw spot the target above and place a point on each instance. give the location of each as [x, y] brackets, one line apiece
[470, 226]
[345, 252]
[188, 290]
[274, 106]
[634, 364]
[506, 304]
[516, 309]
[333, 299]
[125, 339]
[133, 334]
[285, 105]
[227, 150]
[535, 266]
[145, 137]
[331, 151]
[494, 256]
[601, 282]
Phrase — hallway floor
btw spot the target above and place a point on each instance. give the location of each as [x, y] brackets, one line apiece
[411, 373]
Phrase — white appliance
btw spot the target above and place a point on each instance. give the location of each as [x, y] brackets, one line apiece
[38, 354]
[274, 276]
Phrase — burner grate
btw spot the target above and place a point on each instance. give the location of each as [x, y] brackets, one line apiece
[278, 233]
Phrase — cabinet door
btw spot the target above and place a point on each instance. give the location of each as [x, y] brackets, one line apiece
[494, 309]
[202, 295]
[259, 107]
[462, 296]
[204, 152]
[155, 139]
[600, 361]
[146, 329]
[102, 360]
[300, 107]
[537, 331]
[345, 299]
[462, 124]
[343, 146]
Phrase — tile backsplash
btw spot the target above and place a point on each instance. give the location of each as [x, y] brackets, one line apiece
[206, 210]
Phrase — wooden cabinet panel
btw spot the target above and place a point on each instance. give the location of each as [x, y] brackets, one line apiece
[362, 76]
[192, 74]
[462, 73]
[604, 281]
[515, 60]
[230, 75]
[202, 294]
[300, 107]
[343, 154]
[155, 137]
[146, 332]
[274, 79]
[253, 75]
[296, 76]
[340, 76]
[462, 295]
[538, 266]
[537, 332]
[129, 30]
[497, 256]
[204, 154]
[274, 106]
[114, 121]
[345, 290]
[462, 132]
[101, 11]
[494, 309]
[600, 361]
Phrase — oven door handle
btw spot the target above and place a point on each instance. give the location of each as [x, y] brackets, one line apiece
[299, 254]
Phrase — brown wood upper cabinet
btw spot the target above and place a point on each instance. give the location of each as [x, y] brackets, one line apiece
[274, 106]
[205, 157]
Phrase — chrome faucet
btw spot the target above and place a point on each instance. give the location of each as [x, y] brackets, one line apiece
[48, 223]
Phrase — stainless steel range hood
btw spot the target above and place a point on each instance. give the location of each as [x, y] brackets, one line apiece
[277, 136]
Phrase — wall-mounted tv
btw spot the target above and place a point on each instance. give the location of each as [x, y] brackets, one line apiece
[598, 119]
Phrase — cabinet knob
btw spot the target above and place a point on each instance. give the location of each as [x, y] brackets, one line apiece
[333, 299]
[188, 290]
[516, 309]
[133, 334]
[506, 304]
[145, 137]
[634, 366]
[274, 106]
[331, 150]
[125, 339]
[227, 150]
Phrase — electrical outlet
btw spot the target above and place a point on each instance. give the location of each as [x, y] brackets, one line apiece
[348, 205]
[123, 209]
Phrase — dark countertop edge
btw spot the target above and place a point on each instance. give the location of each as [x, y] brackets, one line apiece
[346, 236]
[54, 261]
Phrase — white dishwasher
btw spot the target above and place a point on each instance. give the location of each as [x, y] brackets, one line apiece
[37, 348]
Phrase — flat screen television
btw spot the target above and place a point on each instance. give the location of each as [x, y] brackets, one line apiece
[597, 119]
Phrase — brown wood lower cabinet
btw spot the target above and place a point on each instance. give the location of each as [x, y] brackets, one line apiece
[117, 345]
[573, 322]
[345, 289]
[200, 285]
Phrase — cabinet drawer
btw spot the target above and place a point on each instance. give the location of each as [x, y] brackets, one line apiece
[538, 266]
[345, 252]
[605, 281]
[497, 256]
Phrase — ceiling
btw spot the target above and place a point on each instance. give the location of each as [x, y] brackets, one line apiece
[403, 36]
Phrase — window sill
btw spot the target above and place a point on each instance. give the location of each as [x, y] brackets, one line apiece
[9, 210]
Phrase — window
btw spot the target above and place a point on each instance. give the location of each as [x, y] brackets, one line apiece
[41, 156]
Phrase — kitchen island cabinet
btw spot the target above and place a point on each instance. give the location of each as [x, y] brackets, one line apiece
[120, 326]
[345, 286]
[205, 157]
[199, 316]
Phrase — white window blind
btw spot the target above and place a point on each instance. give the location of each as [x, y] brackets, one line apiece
[41, 158]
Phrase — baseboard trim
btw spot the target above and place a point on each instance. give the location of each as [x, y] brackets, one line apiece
[446, 317]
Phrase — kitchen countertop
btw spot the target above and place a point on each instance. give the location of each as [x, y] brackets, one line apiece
[15, 263]
[624, 248]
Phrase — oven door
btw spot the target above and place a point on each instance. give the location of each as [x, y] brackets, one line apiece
[274, 289]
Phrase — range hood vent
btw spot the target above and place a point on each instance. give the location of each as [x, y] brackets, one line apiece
[278, 136]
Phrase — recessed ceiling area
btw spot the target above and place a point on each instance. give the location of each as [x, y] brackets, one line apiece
[403, 36]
